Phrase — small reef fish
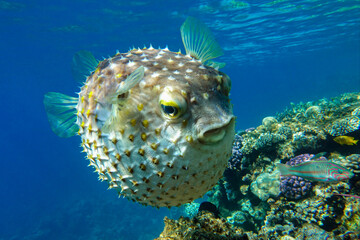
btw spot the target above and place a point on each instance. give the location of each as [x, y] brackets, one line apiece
[345, 140]
[347, 195]
[321, 171]
[156, 125]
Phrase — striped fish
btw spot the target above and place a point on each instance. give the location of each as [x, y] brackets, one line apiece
[321, 171]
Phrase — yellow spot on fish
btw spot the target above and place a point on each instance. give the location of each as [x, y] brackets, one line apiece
[140, 106]
[205, 76]
[127, 153]
[346, 140]
[143, 136]
[219, 78]
[82, 99]
[114, 141]
[91, 93]
[118, 156]
[141, 152]
[155, 161]
[157, 131]
[88, 112]
[121, 130]
[145, 123]
[105, 150]
[154, 146]
[160, 174]
[133, 122]
[189, 139]
[166, 151]
[184, 123]
[131, 137]
[142, 167]
[119, 75]
[82, 124]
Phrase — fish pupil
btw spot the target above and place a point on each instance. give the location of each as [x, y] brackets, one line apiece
[170, 110]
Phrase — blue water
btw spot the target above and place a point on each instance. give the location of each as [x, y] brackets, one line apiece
[276, 52]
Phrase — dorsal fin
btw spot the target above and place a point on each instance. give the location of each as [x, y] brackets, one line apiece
[198, 40]
[61, 112]
[215, 65]
[83, 63]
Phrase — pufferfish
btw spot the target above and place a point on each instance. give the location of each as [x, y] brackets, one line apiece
[156, 125]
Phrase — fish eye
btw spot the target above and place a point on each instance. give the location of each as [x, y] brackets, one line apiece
[172, 111]
[172, 105]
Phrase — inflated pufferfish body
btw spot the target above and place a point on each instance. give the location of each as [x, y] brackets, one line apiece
[157, 125]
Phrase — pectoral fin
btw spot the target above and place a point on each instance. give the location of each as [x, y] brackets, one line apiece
[133, 79]
[119, 108]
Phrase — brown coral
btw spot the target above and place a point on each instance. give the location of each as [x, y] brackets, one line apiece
[203, 226]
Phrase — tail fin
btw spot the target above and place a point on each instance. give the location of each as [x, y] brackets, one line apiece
[61, 112]
[284, 169]
[355, 142]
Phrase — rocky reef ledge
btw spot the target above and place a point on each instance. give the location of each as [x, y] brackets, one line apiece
[255, 202]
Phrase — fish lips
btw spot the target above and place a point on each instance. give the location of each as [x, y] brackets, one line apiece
[215, 133]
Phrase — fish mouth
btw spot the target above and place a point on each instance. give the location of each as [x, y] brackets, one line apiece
[216, 132]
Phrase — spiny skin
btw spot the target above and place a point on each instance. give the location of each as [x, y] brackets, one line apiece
[145, 155]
